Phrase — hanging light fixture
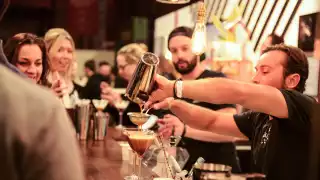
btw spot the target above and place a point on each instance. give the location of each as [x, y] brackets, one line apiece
[173, 1]
[199, 37]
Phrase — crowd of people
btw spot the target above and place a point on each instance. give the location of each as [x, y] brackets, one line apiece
[36, 135]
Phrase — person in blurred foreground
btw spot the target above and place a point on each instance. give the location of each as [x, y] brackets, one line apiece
[36, 141]
[278, 125]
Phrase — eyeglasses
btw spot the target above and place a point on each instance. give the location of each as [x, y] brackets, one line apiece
[122, 67]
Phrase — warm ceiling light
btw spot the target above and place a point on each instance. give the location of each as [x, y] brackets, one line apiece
[174, 1]
[199, 37]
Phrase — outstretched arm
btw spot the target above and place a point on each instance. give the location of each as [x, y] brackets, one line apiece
[208, 136]
[256, 97]
[260, 98]
[170, 122]
[202, 118]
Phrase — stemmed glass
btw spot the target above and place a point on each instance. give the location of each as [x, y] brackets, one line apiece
[138, 118]
[139, 141]
[100, 104]
[101, 120]
[121, 106]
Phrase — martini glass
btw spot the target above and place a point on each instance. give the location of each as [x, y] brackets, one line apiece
[100, 104]
[138, 118]
[139, 141]
[101, 120]
[121, 106]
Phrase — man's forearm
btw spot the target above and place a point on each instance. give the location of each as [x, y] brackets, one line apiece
[195, 116]
[206, 119]
[213, 90]
[260, 98]
[207, 136]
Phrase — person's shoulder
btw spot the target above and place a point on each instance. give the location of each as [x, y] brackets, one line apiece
[211, 74]
[293, 94]
[20, 94]
[298, 104]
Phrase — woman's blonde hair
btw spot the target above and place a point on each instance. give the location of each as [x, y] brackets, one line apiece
[53, 35]
[133, 52]
[53, 38]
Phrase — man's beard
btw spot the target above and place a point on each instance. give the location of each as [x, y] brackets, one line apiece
[190, 66]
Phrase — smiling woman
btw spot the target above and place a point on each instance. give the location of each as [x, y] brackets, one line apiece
[61, 48]
[27, 52]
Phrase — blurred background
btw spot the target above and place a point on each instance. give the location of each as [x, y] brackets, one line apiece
[101, 27]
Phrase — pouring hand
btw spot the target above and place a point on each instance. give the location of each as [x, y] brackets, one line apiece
[163, 91]
[165, 104]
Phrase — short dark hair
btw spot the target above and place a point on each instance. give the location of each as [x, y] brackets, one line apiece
[276, 39]
[104, 63]
[297, 62]
[12, 48]
[180, 31]
[90, 64]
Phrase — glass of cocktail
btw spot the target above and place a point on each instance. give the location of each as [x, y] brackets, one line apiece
[121, 106]
[139, 141]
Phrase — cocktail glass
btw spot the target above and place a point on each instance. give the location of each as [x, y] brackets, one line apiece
[139, 141]
[100, 104]
[121, 106]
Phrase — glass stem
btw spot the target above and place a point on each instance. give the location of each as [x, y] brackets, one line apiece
[140, 164]
[120, 117]
[134, 163]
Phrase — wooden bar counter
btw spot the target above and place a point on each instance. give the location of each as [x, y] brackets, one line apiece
[103, 159]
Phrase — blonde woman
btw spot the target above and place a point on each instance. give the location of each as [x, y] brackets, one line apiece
[127, 60]
[61, 53]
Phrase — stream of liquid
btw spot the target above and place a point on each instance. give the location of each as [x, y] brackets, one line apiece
[141, 107]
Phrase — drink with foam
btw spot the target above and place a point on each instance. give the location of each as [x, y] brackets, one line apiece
[140, 141]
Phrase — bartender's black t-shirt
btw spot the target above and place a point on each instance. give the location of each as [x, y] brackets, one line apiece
[280, 147]
[219, 153]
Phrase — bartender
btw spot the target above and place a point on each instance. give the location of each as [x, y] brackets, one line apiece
[212, 147]
[279, 123]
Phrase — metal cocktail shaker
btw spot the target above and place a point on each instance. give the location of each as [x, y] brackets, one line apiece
[83, 121]
[142, 82]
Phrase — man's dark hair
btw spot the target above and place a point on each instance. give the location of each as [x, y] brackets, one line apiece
[297, 62]
[90, 64]
[275, 39]
[180, 31]
[104, 63]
